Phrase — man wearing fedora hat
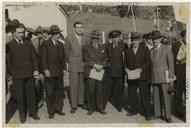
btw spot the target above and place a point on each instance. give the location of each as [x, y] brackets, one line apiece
[54, 66]
[162, 67]
[74, 44]
[38, 43]
[138, 58]
[114, 80]
[95, 57]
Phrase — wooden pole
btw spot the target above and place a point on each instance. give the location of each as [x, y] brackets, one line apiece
[158, 18]
[134, 25]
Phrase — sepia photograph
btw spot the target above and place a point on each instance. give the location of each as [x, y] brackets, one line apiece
[96, 64]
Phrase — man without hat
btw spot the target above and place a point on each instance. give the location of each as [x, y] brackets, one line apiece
[95, 57]
[54, 66]
[74, 44]
[23, 68]
[114, 75]
[162, 67]
[137, 59]
[179, 52]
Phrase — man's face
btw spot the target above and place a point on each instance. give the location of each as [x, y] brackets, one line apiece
[157, 41]
[136, 42]
[19, 33]
[116, 40]
[39, 35]
[78, 29]
[95, 41]
[56, 36]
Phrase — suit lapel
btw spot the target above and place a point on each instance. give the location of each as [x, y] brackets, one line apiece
[158, 53]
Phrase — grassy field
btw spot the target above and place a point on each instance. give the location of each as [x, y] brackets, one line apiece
[106, 22]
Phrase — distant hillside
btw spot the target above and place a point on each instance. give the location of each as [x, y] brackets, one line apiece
[106, 22]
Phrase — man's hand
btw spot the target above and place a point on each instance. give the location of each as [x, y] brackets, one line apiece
[47, 73]
[126, 70]
[139, 70]
[98, 67]
[35, 74]
[65, 72]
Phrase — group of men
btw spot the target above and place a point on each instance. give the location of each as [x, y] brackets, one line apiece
[48, 60]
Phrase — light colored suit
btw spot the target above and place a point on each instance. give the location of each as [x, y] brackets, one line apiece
[162, 60]
[74, 58]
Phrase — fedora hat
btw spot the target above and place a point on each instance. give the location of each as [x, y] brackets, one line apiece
[136, 35]
[156, 35]
[39, 30]
[54, 29]
[96, 34]
[114, 34]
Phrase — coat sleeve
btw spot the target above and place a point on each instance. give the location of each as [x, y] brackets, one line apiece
[86, 58]
[126, 62]
[34, 58]
[147, 59]
[64, 58]
[8, 58]
[67, 49]
[170, 60]
[44, 56]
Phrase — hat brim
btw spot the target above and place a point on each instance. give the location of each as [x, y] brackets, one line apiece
[55, 32]
[94, 36]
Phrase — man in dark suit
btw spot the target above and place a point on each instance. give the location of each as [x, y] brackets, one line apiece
[23, 68]
[54, 65]
[74, 44]
[95, 57]
[114, 80]
[138, 58]
[179, 52]
[162, 69]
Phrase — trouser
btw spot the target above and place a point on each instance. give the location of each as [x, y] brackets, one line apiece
[144, 96]
[115, 85]
[54, 96]
[25, 96]
[95, 95]
[180, 88]
[76, 89]
[160, 95]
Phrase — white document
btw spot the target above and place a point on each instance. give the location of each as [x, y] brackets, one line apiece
[167, 77]
[96, 75]
[133, 74]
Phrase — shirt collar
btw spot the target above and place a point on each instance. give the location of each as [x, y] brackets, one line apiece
[20, 42]
[77, 36]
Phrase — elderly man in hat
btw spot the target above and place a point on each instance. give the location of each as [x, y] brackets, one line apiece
[38, 43]
[137, 61]
[74, 44]
[162, 76]
[95, 58]
[23, 68]
[179, 52]
[114, 80]
[54, 66]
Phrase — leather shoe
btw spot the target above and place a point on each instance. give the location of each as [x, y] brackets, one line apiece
[23, 120]
[147, 118]
[131, 114]
[61, 113]
[83, 106]
[103, 112]
[119, 109]
[169, 120]
[51, 116]
[73, 110]
[90, 112]
[35, 117]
